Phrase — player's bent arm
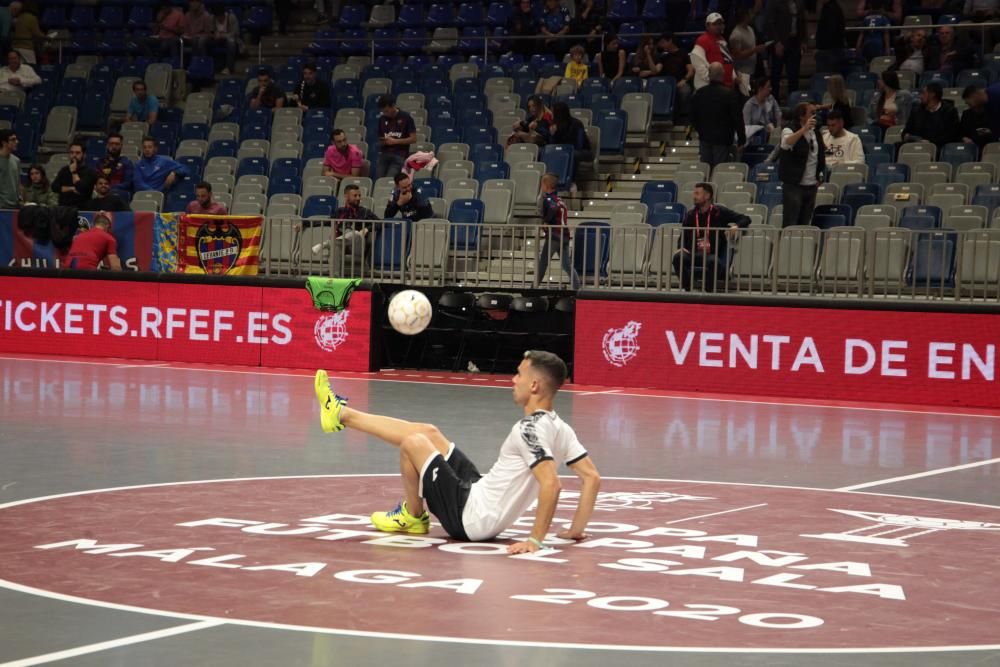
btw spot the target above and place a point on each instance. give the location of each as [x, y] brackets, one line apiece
[590, 481]
[115, 262]
[548, 497]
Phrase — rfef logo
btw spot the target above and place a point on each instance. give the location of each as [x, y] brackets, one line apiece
[621, 345]
[330, 331]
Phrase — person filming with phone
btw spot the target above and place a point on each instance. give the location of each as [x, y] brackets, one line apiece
[801, 165]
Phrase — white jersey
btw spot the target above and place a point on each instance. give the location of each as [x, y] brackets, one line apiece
[502, 495]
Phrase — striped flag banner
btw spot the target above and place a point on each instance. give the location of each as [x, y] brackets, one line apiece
[219, 244]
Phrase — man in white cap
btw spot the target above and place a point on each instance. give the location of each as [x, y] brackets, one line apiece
[711, 47]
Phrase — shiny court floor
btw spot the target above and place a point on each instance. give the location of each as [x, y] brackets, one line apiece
[71, 426]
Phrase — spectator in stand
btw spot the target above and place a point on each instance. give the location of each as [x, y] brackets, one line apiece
[396, 132]
[892, 9]
[831, 38]
[842, 147]
[115, 166]
[705, 236]
[874, 43]
[915, 54]
[143, 107]
[157, 172]
[787, 23]
[203, 204]
[38, 191]
[955, 53]
[568, 130]
[75, 182]
[226, 32]
[5, 26]
[761, 113]
[576, 69]
[352, 235]
[644, 63]
[555, 232]
[198, 26]
[981, 121]
[836, 87]
[266, 95]
[406, 201]
[611, 61]
[745, 50]
[801, 164]
[715, 113]
[92, 247]
[589, 20]
[342, 159]
[555, 23]
[10, 170]
[524, 23]
[534, 129]
[711, 47]
[283, 12]
[17, 76]
[934, 120]
[890, 105]
[166, 33]
[674, 61]
[104, 198]
[27, 34]
[312, 92]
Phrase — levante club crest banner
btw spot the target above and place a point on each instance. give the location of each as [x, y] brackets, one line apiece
[219, 244]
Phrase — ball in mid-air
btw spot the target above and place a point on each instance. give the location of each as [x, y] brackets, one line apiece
[409, 312]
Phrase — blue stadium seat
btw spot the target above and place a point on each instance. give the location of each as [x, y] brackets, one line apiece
[921, 217]
[428, 187]
[112, 17]
[625, 86]
[877, 155]
[620, 11]
[612, 128]
[352, 15]
[663, 89]
[192, 131]
[286, 166]
[628, 35]
[470, 14]
[558, 159]
[666, 214]
[973, 77]
[283, 185]
[140, 17]
[392, 245]
[195, 164]
[475, 117]
[411, 15]
[466, 216]
[176, 202]
[222, 148]
[933, 260]
[479, 135]
[600, 103]
[826, 216]
[472, 39]
[486, 153]
[256, 166]
[489, 170]
[763, 172]
[959, 153]
[657, 192]
[988, 196]
[439, 15]
[857, 195]
[591, 250]
[93, 115]
[771, 194]
[755, 155]
[893, 172]
[322, 205]
[498, 15]
[201, 69]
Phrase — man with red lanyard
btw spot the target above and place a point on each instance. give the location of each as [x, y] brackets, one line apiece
[708, 228]
[555, 219]
[711, 47]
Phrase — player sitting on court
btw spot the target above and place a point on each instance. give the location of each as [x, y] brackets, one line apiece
[469, 505]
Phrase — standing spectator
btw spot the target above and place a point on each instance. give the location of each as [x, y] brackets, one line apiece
[312, 92]
[198, 26]
[836, 87]
[787, 22]
[90, 248]
[342, 159]
[226, 33]
[115, 166]
[705, 237]
[104, 198]
[761, 112]
[831, 38]
[589, 20]
[167, 30]
[203, 204]
[890, 105]
[576, 69]
[715, 112]
[143, 107]
[27, 34]
[156, 172]
[801, 164]
[266, 95]
[842, 147]
[568, 130]
[534, 129]
[981, 121]
[396, 131]
[17, 76]
[555, 24]
[745, 50]
[38, 190]
[675, 62]
[406, 201]
[283, 12]
[955, 53]
[874, 43]
[915, 54]
[555, 233]
[892, 9]
[75, 182]
[10, 170]
[934, 120]
[711, 47]
[524, 23]
[611, 61]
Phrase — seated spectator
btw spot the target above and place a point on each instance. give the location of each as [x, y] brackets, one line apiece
[312, 92]
[837, 89]
[115, 166]
[27, 34]
[75, 182]
[226, 33]
[589, 20]
[915, 54]
[91, 248]
[38, 191]
[203, 204]
[568, 130]
[351, 236]
[406, 201]
[707, 230]
[523, 23]
[576, 69]
[17, 76]
[842, 147]
[156, 172]
[761, 113]
[396, 132]
[104, 198]
[956, 52]
[890, 105]
[981, 121]
[611, 61]
[555, 23]
[674, 61]
[198, 25]
[167, 30]
[644, 63]
[556, 235]
[934, 120]
[534, 129]
[266, 95]
[10, 170]
[874, 43]
[143, 107]
[341, 158]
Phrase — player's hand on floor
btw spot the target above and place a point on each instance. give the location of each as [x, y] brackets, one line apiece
[521, 548]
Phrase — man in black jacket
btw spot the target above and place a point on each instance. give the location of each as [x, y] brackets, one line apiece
[75, 182]
[407, 202]
[801, 164]
[718, 118]
[935, 120]
[708, 228]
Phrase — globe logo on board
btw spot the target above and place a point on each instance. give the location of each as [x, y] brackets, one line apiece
[330, 330]
[621, 345]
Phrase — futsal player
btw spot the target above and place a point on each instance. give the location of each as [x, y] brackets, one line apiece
[469, 505]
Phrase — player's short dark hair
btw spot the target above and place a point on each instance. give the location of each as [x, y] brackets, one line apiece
[970, 91]
[205, 185]
[707, 187]
[399, 178]
[549, 365]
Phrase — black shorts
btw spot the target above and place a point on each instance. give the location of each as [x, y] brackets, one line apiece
[446, 485]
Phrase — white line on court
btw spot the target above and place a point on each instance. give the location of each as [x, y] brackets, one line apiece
[142, 365]
[702, 516]
[114, 643]
[918, 475]
[594, 393]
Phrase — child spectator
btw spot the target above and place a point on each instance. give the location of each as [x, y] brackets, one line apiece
[576, 69]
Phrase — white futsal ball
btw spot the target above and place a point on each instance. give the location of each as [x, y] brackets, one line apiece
[409, 312]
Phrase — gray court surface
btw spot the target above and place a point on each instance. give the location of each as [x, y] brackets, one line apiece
[73, 426]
